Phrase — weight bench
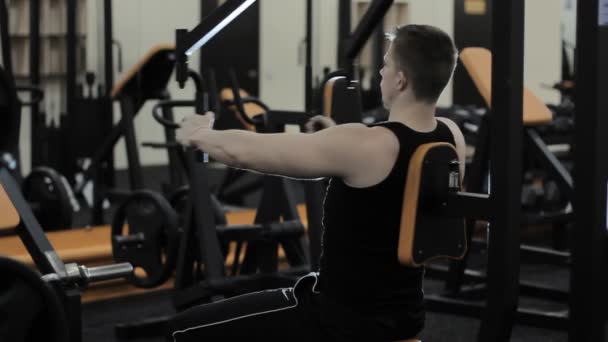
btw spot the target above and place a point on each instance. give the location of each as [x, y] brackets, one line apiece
[147, 80]
[9, 218]
[478, 63]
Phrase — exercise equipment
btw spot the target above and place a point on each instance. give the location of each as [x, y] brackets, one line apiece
[145, 81]
[65, 279]
[49, 195]
[478, 62]
[44, 318]
[46, 190]
[200, 273]
[145, 234]
[432, 176]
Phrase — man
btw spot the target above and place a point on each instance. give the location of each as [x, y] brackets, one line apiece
[361, 292]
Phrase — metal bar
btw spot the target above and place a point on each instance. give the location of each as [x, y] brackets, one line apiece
[314, 192]
[542, 319]
[282, 118]
[378, 48]
[506, 169]
[526, 288]
[176, 174]
[295, 249]
[372, 17]
[550, 163]
[434, 303]
[308, 91]
[135, 171]
[469, 205]
[537, 290]
[344, 29]
[193, 36]
[108, 38]
[34, 76]
[37, 244]
[528, 317]
[71, 298]
[203, 220]
[533, 254]
[107, 44]
[207, 6]
[474, 180]
[7, 60]
[588, 252]
[71, 47]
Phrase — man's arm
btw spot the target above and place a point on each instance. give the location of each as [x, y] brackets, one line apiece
[344, 151]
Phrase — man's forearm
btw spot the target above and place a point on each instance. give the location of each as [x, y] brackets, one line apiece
[228, 147]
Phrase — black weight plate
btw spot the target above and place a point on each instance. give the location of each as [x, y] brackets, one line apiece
[29, 307]
[45, 190]
[150, 239]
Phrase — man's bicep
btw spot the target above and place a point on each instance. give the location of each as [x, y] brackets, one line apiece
[339, 150]
[333, 152]
[363, 155]
[298, 155]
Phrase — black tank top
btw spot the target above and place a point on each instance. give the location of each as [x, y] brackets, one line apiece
[359, 264]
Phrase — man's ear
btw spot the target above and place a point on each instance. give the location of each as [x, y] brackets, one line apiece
[402, 81]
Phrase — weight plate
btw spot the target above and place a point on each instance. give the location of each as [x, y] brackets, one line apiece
[48, 195]
[145, 234]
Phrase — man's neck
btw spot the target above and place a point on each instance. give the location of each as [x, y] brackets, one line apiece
[419, 116]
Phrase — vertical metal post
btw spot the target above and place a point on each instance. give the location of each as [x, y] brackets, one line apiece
[106, 172]
[72, 303]
[378, 49]
[34, 75]
[207, 6]
[7, 60]
[135, 172]
[344, 30]
[107, 46]
[308, 68]
[506, 169]
[588, 252]
[71, 47]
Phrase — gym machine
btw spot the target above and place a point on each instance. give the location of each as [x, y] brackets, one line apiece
[63, 314]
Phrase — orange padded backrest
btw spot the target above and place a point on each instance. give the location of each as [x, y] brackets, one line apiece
[425, 234]
[9, 218]
[478, 63]
[138, 67]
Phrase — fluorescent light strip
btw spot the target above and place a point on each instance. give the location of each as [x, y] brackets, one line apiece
[219, 27]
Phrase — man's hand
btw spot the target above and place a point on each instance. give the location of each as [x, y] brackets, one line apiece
[193, 127]
[319, 122]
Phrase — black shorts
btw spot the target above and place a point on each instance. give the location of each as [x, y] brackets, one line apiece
[295, 314]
